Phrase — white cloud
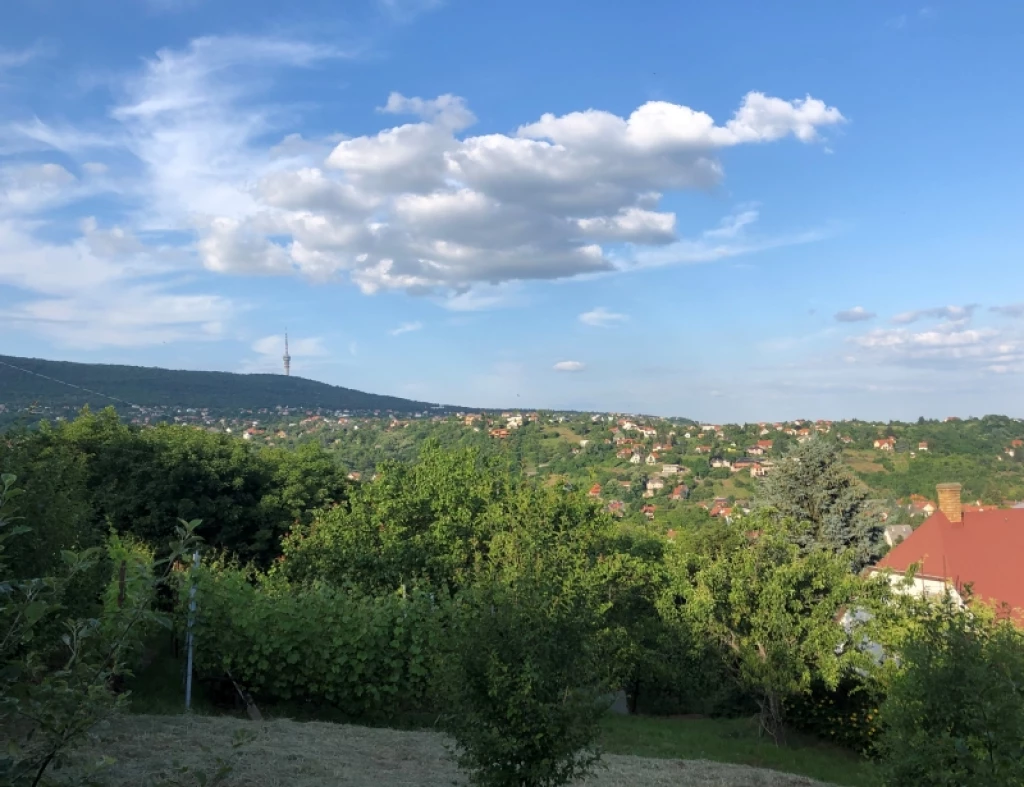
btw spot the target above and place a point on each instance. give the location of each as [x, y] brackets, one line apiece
[601, 317]
[951, 345]
[420, 206]
[937, 313]
[856, 314]
[28, 188]
[406, 327]
[569, 366]
[94, 168]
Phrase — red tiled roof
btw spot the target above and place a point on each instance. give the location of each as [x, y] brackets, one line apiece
[984, 549]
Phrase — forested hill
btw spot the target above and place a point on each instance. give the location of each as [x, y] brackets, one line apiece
[33, 381]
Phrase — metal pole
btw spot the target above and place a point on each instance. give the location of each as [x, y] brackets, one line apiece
[191, 620]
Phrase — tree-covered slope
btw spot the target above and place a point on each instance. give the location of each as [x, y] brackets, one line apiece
[27, 381]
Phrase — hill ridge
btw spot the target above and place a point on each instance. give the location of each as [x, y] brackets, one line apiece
[28, 381]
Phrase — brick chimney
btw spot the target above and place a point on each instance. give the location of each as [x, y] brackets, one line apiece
[949, 501]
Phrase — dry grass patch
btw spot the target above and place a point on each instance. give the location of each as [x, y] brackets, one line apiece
[150, 750]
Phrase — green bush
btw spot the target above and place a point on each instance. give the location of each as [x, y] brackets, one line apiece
[847, 716]
[524, 683]
[955, 713]
[369, 656]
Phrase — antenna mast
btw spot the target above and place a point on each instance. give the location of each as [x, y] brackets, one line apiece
[287, 357]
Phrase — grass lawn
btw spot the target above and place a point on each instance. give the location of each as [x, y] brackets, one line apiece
[640, 750]
[734, 741]
[154, 750]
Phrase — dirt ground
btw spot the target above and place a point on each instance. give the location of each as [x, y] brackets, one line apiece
[152, 750]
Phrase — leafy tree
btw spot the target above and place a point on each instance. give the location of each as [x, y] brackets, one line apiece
[771, 610]
[812, 485]
[955, 713]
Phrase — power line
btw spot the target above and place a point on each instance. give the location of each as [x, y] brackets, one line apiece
[69, 385]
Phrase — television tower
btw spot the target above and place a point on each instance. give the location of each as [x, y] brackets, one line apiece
[287, 357]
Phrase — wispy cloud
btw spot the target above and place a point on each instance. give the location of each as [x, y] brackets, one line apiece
[569, 366]
[406, 327]
[856, 314]
[1010, 310]
[600, 317]
[936, 313]
[407, 10]
[15, 58]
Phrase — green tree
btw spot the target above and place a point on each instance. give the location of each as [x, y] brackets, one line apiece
[955, 712]
[771, 610]
[812, 485]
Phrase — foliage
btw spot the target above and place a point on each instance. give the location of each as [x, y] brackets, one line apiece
[523, 674]
[56, 686]
[772, 610]
[431, 522]
[812, 485]
[370, 656]
[955, 713]
[54, 496]
[141, 481]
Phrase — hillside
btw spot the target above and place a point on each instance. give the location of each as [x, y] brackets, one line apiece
[61, 384]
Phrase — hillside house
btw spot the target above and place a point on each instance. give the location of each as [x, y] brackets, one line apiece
[922, 446]
[584, 443]
[743, 463]
[765, 445]
[759, 470]
[635, 459]
[656, 484]
[595, 491]
[648, 511]
[755, 450]
[624, 453]
[615, 507]
[959, 545]
[886, 443]
[651, 459]
[500, 434]
[1017, 444]
[681, 492]
[897, 534]
[719, 461]
[669, 469]
[702, 449]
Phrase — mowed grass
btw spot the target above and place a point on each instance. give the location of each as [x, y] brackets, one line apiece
[154, 749]
[698, 742]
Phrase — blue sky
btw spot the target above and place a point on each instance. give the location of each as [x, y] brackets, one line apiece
[729, 211]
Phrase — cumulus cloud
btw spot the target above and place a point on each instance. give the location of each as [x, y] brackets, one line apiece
[856, 314]
[936, 313]
[952, 344]
[423, 205]
[601, 317]
[569, 366]
[406, 327]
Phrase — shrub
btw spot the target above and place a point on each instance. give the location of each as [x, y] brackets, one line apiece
[369, 656]
[955, 713]
[524, 683]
